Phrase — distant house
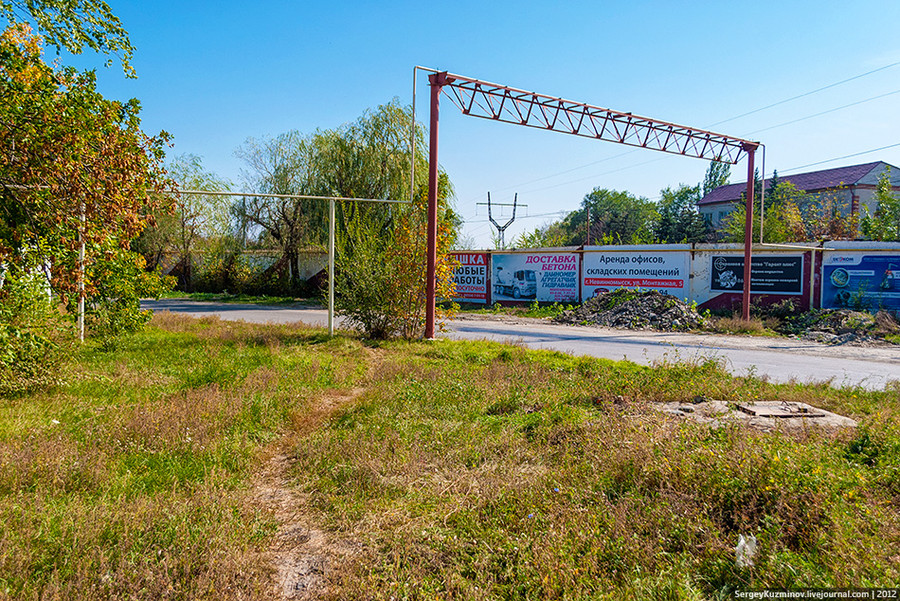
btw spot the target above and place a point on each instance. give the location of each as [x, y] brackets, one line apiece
[852, 187]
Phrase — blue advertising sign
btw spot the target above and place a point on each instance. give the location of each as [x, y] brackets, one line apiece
[858, 280]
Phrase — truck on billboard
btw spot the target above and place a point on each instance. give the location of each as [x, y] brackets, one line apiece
[517, 284]
[542, 276]
[470, 278]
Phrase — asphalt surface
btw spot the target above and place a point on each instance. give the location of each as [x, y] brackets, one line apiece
[776, 359]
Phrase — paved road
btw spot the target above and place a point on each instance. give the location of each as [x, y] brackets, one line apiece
[778, 359]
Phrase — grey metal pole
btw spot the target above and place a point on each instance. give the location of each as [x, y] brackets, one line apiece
[331, 267]
[81, 271]
[412, 142]
[589, 225]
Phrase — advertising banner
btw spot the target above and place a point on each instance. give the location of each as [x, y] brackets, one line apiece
[859, 280]
[667, 272]
[470, 279]
[551, 277]
[768, 274]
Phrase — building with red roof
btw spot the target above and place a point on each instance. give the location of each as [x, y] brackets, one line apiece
[852, 187]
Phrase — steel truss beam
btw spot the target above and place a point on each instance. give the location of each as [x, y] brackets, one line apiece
[492, 101]
[501, 103]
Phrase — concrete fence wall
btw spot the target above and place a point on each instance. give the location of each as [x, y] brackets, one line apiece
[860, 275]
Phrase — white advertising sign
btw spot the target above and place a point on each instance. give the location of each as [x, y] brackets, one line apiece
[667, 272]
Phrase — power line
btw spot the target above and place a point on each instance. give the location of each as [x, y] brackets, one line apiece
[846, 156]
[561, 212]
[805, 94]
[597, 175]
[552, 175]
[751, 133]
[825, 112]
[774, 104]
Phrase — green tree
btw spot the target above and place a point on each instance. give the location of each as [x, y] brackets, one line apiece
[884, 223]
[784, 220]
[380, 277]
[616, 218]
[679, 221]
[717, 174]
[792, 215]
[289, 164]
[75, 166]
[543, 236]
[199, 223]
[368, 158]
[74, 25]
[380, 280]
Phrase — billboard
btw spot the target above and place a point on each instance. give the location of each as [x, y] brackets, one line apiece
[769, 274]
[861, 280]
[546, 277]
[470, 279]
[667, 272]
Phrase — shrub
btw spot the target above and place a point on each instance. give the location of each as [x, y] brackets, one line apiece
[120, 281]
[29, 358]
[380, 283]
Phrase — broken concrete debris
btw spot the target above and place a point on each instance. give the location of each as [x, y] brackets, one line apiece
[636, 310]
[763, 415]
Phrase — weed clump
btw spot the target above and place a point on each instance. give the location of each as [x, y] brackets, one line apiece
[839, 326]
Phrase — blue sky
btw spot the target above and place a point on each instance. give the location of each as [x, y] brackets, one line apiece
[215, 73]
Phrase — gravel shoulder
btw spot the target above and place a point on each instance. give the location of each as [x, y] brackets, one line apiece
[886, 353]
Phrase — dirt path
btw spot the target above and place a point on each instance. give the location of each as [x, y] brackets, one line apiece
[300, 553]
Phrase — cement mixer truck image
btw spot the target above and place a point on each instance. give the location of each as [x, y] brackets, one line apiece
[517, 284]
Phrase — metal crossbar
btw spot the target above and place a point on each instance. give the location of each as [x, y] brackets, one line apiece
[502, 103]
[331, 241]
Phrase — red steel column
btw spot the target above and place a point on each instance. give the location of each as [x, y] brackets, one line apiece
[436, 81]
[750, 149]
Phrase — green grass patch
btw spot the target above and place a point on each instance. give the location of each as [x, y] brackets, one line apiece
[467, 470]
[481, 471]
[131, 481]
[534, 309]
[225, 297]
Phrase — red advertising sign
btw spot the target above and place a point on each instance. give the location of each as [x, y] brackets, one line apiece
[470, 278]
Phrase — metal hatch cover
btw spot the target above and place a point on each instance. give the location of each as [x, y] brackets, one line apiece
[780, 409]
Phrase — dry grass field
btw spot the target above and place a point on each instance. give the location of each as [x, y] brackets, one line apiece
[214, 460]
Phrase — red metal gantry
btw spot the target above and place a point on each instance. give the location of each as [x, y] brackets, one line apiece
[502, 103]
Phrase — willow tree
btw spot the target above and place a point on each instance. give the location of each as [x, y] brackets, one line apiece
[381, 250]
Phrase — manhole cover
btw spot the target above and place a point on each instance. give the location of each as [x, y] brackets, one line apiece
[777, 409]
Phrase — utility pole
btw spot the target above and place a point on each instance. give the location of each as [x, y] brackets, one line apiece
[501, 229]
[437, 81]
[81, 274]
[750, 150]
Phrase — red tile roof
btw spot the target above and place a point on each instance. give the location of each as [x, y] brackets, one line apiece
[810, 182]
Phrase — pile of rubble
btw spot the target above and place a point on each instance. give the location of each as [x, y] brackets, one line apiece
[636, 310]
[841, 326]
